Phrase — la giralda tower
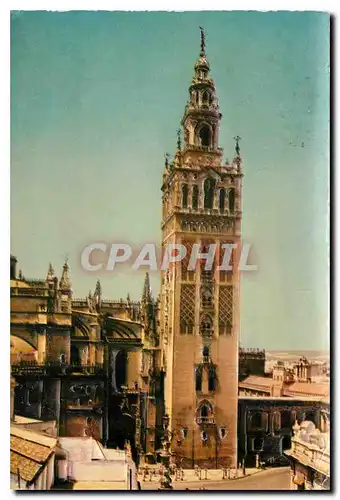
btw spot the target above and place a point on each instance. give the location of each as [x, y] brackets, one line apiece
[200, 307]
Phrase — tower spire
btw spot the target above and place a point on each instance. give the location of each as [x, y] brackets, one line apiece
[202, 116]
[50, 273]
[146, 289]
[65, 282]
[202, 53]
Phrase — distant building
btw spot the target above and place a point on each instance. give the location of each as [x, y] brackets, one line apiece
[309, 456]
[284, 382]
[251, 362]
[269, 406]
[265, 424]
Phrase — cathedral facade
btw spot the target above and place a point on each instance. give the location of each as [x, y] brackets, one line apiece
[200, 297]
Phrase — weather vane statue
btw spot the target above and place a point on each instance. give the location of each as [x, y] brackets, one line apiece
[237, 146]
[202, 41]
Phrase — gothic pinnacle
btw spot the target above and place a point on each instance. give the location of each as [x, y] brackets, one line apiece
[179, 145]
[50, 272]
[65, 283]
[146, 289]
[98, 289]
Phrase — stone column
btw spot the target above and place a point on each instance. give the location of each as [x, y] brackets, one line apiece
[99, 354]
[190, 195]
[216, 199]
[92, 356]
[84, 355]
[226, 200]
[41, 347]
[200, 197]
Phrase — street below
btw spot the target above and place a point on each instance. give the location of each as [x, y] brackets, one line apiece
[270, 479]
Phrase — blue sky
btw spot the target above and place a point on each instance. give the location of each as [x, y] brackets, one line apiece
[96, 99]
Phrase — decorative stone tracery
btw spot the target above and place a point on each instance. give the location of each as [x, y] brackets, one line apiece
[225, 309]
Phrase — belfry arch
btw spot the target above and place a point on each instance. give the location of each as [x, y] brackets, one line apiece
[204, 135]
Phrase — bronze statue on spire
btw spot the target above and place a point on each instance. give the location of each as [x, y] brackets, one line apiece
[202, 41]
[237, 146]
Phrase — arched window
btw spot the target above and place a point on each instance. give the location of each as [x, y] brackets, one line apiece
[286, 419]
[121, 369]
[198, 379]
[205, 352]
[209, 187]
[212, 378]
[204, 411]
[205, 97]
[75, 356]
[256, 420]
[231, 200]
[205, 136]
[222, 199]
[184, 195]
[258, 444]
[195, 197]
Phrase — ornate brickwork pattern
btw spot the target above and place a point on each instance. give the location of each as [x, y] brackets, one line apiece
[187, 308]
[226, 308]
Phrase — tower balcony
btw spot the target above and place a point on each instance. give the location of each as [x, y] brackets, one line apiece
[205, 420]
[26, 368]
[203, 149]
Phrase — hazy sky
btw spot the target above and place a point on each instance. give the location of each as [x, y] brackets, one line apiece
[96, 99]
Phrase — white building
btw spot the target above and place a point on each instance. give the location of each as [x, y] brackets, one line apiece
[89, 466]
[310, 457]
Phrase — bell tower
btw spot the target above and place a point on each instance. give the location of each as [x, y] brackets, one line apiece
[200, 294]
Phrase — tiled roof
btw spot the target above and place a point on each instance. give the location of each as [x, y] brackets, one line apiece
[256, 381]
[307, 389]
[29, 452]
[26, 468]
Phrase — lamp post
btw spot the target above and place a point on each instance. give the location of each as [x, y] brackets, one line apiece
[165, 455]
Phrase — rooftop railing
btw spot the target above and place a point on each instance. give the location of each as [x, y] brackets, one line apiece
[32, 367]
